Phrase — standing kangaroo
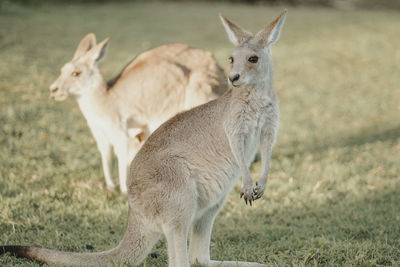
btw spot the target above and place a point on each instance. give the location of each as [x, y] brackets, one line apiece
[181, 177]
[155, 86]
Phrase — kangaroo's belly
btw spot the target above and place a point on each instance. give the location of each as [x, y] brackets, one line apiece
[214, 184]
[215, 178]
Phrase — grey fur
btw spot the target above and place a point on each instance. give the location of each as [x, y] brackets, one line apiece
[181, 177]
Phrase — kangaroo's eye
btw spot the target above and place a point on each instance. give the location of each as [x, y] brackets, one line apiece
[253, 59]
[76, 73]
[230, 60]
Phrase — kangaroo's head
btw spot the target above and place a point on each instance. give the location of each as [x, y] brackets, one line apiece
[251, 61]
[81, 73]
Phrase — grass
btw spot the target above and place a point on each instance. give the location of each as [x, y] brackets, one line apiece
[333, 195]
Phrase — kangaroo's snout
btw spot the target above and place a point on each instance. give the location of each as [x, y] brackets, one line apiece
[53, 89]
[234, 78]
[57, 93]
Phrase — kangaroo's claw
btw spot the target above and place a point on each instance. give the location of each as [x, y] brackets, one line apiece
[258, 191]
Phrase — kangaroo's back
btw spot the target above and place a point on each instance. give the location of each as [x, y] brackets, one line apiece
[181, 78]
[192, 60]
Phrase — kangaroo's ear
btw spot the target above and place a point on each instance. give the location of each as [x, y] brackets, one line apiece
[87, 43]
[270, 34]
[235, 33]
[98, 52]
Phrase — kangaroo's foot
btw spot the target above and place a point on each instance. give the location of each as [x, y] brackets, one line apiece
[111, 187]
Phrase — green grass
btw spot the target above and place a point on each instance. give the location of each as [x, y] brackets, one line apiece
[333, 195]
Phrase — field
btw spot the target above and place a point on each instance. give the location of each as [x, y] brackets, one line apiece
[333, 196]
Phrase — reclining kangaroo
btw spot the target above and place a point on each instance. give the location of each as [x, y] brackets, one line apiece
[154, 87]
[181, 177]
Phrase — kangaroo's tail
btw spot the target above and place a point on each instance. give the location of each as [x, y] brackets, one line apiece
[59, 257]
[135, 245]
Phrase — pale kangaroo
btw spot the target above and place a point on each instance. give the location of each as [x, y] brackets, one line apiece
[123, 112]
[181, 177]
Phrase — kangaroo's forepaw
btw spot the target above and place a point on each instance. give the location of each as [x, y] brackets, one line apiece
[258, 190]
[247, 194]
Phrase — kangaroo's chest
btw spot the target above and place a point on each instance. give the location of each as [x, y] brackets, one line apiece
[251, 137]
[251, 123]
[216, 180]
[102, 123]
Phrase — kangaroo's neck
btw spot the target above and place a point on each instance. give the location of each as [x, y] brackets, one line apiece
[259, 91]
[95, 97]
[266, 82]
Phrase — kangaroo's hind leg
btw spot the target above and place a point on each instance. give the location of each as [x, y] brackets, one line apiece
[200, 235]
[121, 148]
[177, 246]
[105, 148]
[178, 219]
[170, 200]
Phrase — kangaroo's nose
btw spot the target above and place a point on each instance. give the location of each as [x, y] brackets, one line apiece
[53, 89]
[234, 78]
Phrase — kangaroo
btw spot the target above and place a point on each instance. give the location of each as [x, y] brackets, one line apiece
[122, 112]
[181, 177]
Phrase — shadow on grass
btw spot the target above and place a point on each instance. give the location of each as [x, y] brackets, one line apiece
[361, 230]
[364, 231]
[366, 136]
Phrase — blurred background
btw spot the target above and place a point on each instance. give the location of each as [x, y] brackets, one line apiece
[333, 194]
[327, 3]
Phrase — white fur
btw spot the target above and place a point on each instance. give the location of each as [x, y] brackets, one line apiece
[155, 86]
